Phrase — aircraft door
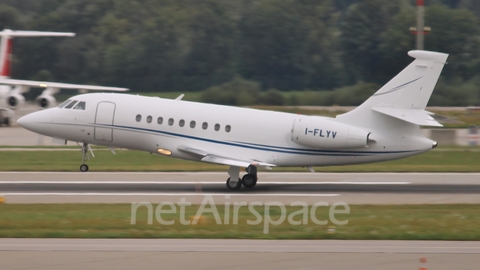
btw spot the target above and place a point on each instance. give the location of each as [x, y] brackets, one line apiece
[104, 117]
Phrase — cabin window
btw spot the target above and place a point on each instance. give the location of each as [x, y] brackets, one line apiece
[228, 128]
[80, 106]
[205, 125]
[160, 120]
[63, 104]
[181, 123]
[149, 119]
[192, 124]
[71, 104]
[217, 127]
[171, 121]
[138, 117]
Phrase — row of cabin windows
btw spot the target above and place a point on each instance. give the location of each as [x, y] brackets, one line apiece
[181, 123]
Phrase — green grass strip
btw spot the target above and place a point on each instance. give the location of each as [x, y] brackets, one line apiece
[398, 222]
[451, 159]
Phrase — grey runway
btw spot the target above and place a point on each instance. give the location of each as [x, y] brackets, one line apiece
[243, 245]
[124, 187]
[356, 188]
[235, 254]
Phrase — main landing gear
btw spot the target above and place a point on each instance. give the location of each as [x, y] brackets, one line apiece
[249, 180]
[85, 156]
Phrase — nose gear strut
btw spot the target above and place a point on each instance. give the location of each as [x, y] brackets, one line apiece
[85, 156]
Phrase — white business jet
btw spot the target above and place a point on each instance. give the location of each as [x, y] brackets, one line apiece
[11, 90]
[385, 127]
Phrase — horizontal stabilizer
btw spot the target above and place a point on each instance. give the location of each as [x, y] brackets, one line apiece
[414, 116]
[21, 33]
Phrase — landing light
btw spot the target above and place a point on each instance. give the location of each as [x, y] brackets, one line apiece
[164, 152]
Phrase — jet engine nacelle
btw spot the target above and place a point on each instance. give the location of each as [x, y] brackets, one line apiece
[323, 133]
[45, 101]
[14, 101]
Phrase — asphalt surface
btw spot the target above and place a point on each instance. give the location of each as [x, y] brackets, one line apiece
[235, 254]
[355, 188]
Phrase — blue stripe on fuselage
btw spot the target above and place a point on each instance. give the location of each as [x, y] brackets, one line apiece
[278, 149]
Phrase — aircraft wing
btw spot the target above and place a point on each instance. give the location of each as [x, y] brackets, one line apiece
[223, 160]
[42, 84]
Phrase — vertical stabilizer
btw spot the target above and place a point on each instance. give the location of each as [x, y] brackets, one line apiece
[6, 43]
[5, 56]
[405, 96]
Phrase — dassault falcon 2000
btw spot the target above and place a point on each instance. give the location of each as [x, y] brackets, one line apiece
[385, 127]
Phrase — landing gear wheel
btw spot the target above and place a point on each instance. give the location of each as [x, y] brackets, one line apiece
[249, 180]
[84, 168]
[234, 186]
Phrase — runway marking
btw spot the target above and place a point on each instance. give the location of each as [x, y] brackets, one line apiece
[244, 245]
[167, 194]
[224, 173]
[203, 183]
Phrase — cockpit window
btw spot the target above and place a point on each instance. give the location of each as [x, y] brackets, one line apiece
[80, 106]
[71, 104]
[64, 103]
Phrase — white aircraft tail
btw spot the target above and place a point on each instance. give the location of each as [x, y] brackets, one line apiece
[6, 44]
[404, 97]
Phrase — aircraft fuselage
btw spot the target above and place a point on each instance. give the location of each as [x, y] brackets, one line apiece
[151, 123]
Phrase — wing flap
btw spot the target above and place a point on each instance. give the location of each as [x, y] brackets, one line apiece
[414, 116]
[225, 161]
[219, 159]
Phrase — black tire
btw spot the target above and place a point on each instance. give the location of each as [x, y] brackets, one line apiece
[237, 186]
[84, 168]
[249, 180]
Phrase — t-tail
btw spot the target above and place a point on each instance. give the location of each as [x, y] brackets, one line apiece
[5, 56]
[399, 106]
[6, 44]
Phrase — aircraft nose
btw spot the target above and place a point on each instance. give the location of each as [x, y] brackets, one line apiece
[33, 121]
[26, 121]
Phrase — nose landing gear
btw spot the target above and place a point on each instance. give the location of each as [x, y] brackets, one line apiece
[85, 156]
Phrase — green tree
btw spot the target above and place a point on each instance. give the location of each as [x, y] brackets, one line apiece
[273, 45]
[456, 32]
[362, 37]
[10, 18]
[212, 33]
[396, 41]
[326, 70]
[238, 91]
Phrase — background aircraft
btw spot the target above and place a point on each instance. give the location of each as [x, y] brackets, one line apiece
[385, 127]
[11, 97]
[11, 90]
